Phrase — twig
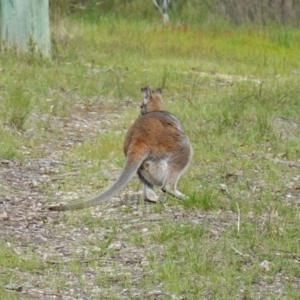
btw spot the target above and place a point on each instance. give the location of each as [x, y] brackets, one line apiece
[239, 218]
[239, 252]
[20, 289]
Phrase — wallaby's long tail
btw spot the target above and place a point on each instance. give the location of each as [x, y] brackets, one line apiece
[126, 175]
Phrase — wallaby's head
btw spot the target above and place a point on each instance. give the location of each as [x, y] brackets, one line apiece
[152, 100]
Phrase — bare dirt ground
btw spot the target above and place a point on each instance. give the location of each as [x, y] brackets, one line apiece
[31, 230]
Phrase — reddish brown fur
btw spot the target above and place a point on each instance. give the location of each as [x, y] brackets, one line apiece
[161, 136]
[154, 133]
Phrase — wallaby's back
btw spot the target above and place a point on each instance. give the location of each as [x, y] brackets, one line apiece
[157, 131]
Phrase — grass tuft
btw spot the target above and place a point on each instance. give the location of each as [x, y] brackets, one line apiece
[204, 199]
[16, 107]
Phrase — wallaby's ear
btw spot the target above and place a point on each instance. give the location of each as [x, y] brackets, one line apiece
[159, 91]
[146, 91]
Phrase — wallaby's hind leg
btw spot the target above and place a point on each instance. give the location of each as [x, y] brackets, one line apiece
[170, 184]
[178, 164]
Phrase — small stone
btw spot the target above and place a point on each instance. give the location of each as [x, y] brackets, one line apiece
[224, 188]
[4, 216]
[115, 246]
[145, 263]
[266, 265]
[34, 183]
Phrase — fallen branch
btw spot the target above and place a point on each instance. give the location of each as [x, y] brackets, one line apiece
[289, 253]
[54, 262]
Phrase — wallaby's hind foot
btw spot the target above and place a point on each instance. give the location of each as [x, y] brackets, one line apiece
[170, 183]
[175, 193]
[149, 195]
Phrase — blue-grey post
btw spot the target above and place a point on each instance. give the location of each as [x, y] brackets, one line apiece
[25, 23]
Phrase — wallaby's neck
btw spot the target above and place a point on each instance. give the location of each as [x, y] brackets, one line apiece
[155, 104]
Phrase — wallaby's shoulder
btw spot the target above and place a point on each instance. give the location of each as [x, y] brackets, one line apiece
[169, 120]
[157, 121]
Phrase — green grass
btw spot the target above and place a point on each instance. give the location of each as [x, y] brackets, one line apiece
[236, 91]
[8, 143]
[196, 265]
[10, 262]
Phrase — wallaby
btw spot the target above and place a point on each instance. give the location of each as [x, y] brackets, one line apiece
[156, 148]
